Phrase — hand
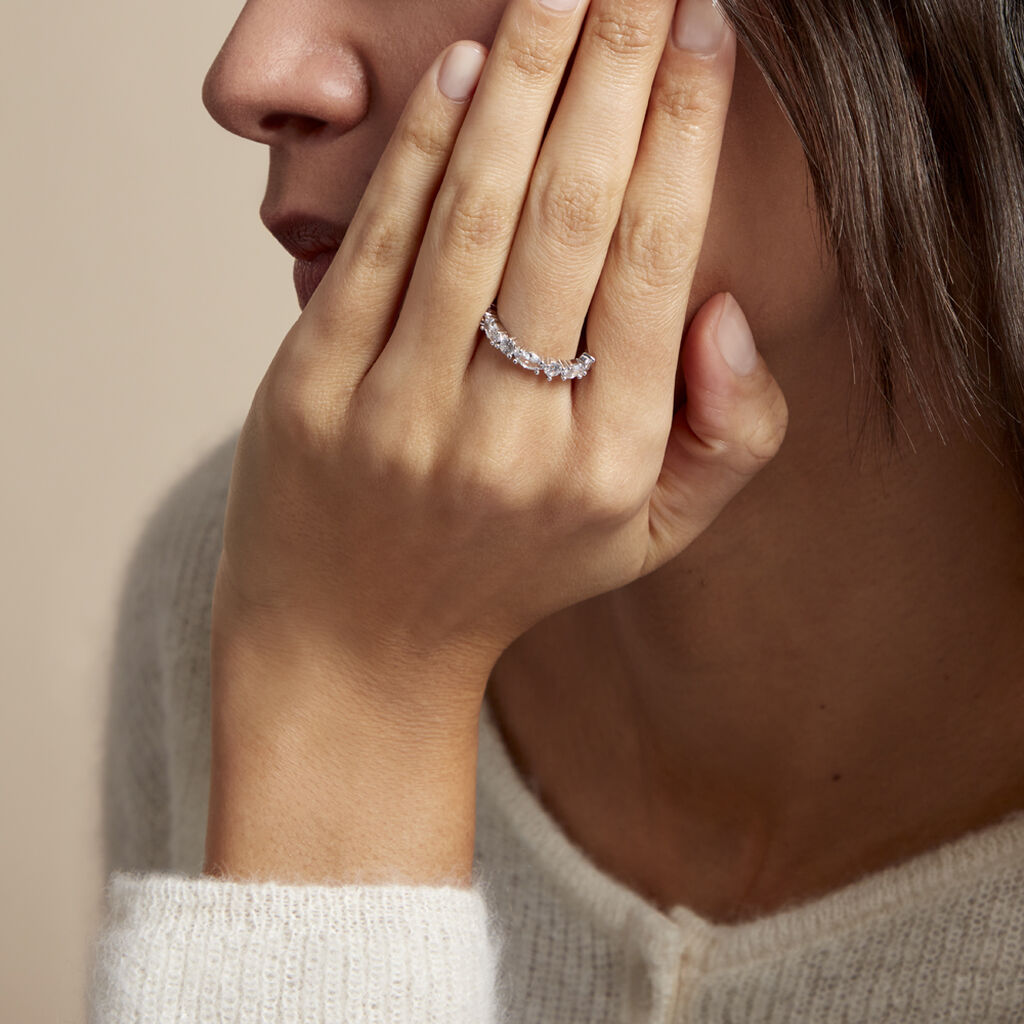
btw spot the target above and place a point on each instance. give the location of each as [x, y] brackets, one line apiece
[401, 493]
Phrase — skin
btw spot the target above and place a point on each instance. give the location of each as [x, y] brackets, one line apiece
[828, 679]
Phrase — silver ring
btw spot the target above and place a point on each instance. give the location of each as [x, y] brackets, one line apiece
[500, 338]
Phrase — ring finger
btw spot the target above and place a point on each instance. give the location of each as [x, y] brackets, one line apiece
[577, 190]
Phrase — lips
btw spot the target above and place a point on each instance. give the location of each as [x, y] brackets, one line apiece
[312, 240]
[307, 274]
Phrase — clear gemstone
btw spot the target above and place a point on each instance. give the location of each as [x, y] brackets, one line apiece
[506, 343]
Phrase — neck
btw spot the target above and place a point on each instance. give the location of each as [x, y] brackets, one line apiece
[827, 682]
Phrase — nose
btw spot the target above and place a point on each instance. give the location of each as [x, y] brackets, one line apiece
[283, 73]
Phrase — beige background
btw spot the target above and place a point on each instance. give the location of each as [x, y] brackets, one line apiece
[142, 302]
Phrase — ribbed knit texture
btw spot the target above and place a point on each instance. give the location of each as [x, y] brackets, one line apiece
[205, 950]
[543, 936]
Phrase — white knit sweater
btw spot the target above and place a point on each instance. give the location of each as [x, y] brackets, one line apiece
[542, 936]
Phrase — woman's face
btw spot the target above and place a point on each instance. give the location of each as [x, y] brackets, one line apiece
[323, 82]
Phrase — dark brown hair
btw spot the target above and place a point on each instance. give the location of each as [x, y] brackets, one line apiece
[911, 115]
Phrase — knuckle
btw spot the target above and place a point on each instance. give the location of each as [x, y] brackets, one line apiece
[622, 34]
[404, 458]
[764, 436]
[478, 482]
[713, 418]
[381, 244]
[530, 60]
[572, 209]
[688, 107]
[652, 243]
[426, 138]
[398, 456]
[476, 219]
[610, 489]
[294, 413]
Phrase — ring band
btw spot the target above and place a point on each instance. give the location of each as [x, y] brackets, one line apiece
[500, 338]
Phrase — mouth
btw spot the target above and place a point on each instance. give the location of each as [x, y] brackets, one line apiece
[307, 274]
[312, 240]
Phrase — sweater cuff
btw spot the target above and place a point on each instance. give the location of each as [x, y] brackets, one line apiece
[177, 948]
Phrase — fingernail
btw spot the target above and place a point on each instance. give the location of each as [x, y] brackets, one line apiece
[560, 5]
[734, 339]
[698, 26]
[460, 71]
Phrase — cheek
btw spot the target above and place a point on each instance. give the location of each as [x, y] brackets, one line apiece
[416, 36]
[438, 23]
[478, 19]
[762, 242]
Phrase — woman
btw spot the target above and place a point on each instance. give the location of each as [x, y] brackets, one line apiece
[751, 743]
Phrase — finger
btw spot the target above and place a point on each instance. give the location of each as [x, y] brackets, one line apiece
[636, 320]
[358, 300]
[577, 188]
[730, 427]
[473, 221]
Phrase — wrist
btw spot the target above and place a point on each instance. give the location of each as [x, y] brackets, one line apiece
[327, 771]
[303, 804]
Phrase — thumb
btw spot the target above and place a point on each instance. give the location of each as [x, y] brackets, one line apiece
[730, 426]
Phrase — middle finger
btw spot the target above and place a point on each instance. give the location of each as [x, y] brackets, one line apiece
[580, 180]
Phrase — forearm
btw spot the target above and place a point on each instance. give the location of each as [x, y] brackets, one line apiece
[345, 790]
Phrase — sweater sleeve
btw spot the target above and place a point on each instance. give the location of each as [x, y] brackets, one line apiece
[176, 945]
[203, 950]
